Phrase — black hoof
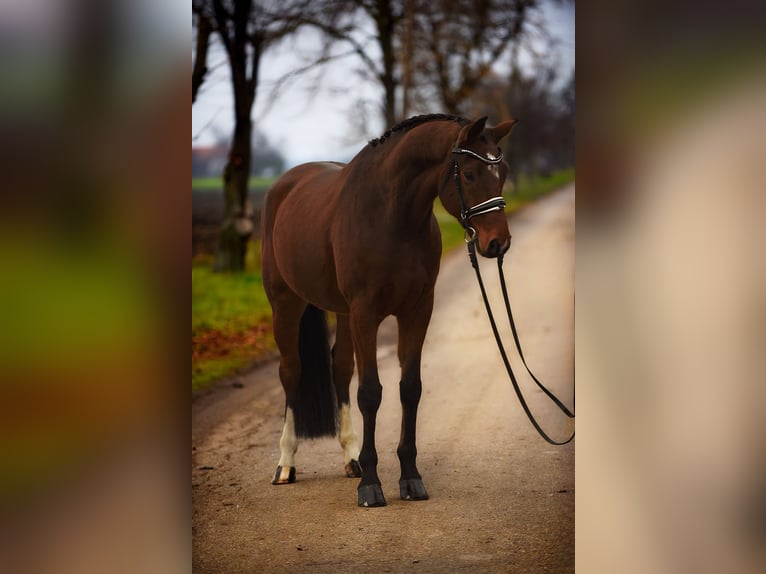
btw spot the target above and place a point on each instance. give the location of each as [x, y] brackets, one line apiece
[412, 489]
[371, 495]
[353, 470]
[284, 475]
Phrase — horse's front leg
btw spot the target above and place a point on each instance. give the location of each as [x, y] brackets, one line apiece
[412, 333]
[364, 331]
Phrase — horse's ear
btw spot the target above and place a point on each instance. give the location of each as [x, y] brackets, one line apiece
[471, 131]
[501, 130]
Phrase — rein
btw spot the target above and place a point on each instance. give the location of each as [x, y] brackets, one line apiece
[493, 204]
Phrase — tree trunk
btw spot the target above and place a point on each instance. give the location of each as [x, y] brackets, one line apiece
[407, 58]
[237, 226]
[385, 20]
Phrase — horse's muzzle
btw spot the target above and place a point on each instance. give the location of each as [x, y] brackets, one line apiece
[495, 249]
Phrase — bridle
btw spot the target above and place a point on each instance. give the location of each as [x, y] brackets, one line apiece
[494, 204]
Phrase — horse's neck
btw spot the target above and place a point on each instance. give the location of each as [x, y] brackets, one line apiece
[420, 172]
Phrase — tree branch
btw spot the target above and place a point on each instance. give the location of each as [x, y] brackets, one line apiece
[199, 68]
[223, 18]
[344, 35]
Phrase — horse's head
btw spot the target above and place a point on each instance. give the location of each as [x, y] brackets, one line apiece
[473, 193]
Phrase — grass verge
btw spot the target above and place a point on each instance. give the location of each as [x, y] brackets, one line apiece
[231, 316]
[231, 319]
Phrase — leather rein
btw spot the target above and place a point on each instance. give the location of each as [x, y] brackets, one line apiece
[493, 204]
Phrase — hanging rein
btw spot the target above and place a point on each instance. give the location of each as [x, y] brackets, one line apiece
[466, 213]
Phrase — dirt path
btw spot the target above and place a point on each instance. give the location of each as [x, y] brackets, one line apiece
[502, 499]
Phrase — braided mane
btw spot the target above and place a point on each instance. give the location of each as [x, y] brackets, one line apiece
[416, 121]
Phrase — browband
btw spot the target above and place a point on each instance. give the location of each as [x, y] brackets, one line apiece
[465, 151]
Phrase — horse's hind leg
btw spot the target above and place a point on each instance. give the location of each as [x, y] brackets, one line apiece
[287, 315]
[342, 371]
[412, 332]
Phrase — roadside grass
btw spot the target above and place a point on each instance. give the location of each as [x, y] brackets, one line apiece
[528, 189]
[231, 319]
[231, 316]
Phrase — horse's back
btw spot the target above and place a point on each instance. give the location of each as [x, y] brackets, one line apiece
[292, 179]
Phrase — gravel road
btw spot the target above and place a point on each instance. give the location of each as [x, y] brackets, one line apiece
[502, 499]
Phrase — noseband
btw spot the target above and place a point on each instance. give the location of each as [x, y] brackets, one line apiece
[493, 204]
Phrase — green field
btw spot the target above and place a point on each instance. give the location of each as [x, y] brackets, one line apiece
[231, 317]
[216, 183]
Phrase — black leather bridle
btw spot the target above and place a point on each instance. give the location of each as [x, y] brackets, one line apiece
[494, 204]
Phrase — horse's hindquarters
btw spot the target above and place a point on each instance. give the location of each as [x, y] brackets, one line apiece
[300, 249]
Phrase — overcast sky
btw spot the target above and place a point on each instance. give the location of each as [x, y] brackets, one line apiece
[311, 122]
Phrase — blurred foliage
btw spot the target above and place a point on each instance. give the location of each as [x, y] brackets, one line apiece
[671, 279]
[106, 304]
[94, 244]
[680, 84]
[78, 324]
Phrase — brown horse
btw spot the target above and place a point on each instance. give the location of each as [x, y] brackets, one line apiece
[361, 241]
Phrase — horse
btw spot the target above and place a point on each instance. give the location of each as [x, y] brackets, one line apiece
[360, 240]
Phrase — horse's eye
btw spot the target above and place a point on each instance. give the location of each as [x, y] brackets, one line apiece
[469, 176]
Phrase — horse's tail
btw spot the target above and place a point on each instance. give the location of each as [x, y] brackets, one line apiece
[316, 411]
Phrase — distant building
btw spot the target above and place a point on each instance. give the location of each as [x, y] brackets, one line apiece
[208, 161]
[266, 161]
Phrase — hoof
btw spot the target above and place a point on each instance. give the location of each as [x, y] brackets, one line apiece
[284, 475]
[371, 495]
[353, 470]
[412, 489]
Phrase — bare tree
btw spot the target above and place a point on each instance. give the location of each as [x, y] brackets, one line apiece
[386, 15]
[426, 56]
[429, 56]
[459, 41]
[247, 28]
[348, 21]
[544, 139]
